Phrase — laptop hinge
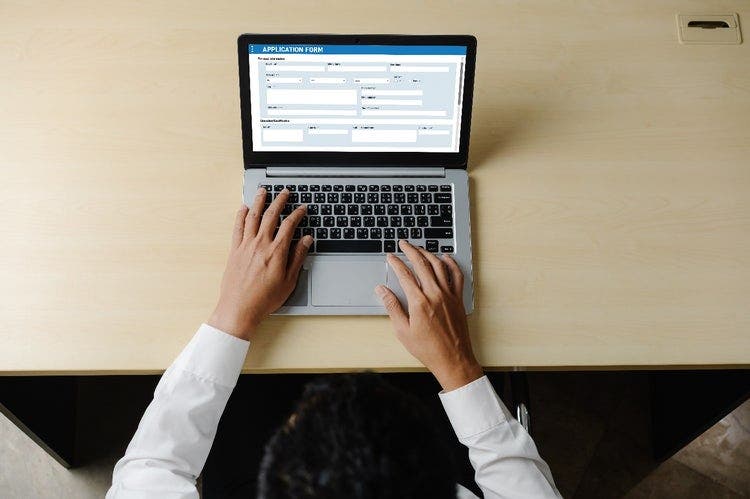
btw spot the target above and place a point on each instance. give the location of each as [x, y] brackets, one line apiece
[353, 171]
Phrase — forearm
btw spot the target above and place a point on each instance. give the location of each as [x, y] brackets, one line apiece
[503, 454]
[174, 437]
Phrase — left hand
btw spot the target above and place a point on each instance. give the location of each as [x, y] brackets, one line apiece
[262, 270]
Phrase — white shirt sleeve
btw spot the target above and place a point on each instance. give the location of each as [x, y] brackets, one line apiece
[170, 447]
[505, 460]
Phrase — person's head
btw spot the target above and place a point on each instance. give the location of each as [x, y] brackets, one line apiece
[357, 437]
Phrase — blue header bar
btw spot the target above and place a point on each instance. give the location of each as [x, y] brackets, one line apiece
[276, 49]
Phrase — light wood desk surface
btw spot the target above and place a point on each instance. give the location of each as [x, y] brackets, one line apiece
[610, 172]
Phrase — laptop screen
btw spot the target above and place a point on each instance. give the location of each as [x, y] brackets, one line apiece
[356, 98]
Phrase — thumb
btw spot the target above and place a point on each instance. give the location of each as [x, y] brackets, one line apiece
[395, 311]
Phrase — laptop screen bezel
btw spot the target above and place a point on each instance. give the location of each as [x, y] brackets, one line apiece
[258, 159]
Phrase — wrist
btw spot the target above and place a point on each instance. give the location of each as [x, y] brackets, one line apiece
[459, 375]
[241, 325]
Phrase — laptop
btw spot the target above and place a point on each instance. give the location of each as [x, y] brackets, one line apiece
[372, 133]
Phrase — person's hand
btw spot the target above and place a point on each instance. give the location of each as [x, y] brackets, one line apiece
[434, 330]
[262, 270]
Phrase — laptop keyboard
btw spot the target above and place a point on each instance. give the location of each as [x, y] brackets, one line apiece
[371, 218]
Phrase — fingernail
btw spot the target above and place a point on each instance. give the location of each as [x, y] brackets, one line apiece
[284, 190]
[303, 206]
[380, 290]
[261, 190]
[307, 241]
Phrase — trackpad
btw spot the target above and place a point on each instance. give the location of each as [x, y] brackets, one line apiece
[346, 284]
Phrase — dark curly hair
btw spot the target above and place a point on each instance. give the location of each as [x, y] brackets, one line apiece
[356, 437]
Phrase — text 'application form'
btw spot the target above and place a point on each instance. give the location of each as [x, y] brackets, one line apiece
[356, 97]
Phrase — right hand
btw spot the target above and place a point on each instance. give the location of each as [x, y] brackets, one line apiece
[434, 329]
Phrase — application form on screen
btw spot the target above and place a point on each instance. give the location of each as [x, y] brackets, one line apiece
[358, 98]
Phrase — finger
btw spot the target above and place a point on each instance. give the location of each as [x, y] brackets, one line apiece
[422, 267]
[252, 222]
[405, 277]
[286, 229]
[395, 311]
[298, 258]
[439, 269]
[239, 226]
[270, 219]
[457, 277]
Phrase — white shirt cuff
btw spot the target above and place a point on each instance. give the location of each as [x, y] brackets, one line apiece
[215, 356]
[473, 408]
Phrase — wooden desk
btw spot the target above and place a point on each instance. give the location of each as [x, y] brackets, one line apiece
[611, 184]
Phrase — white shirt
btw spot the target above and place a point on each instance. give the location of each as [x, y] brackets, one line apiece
[170, 447]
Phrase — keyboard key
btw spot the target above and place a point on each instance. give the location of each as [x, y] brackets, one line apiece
[438, 233]
[395, 222]
[297, 233]
[445, 188]
[307, 231]
[353, 209]
[320, 197]
[278, 188]
[350, 188]
[332, 197]
[402, 233]
[375, 233]
[349, 233]
[327, 188]
[339, 209]
[338, 188]
[361, 188]
[433, 209]
[425, 198]
[432, 188]
[302, 188]
[305, 197]
[374, 188]
[389, 246]
[441, 222]
[419, 209]
[415, 233]
[431, 246]
[382, 221]
[386, 197]
[342, 221]
[335, 233]
[329, 222]
[406, 209]
[372, 197]
[315, 221]
[443, 197]
[326, 209]
[408, 188]
[423, 221]
[393, 209]
[409, 221]
[399, 197]
[314, 188]
[291, 188]
[346, 198]
[363, 233]
[355, 221]
[421, 188]
[412, 197]
[385, 188]
[313, 209]
[365, 210]
[446, 249]
[379, 209]
[321, 233]
[389, 233]
[293, 198]
[359, 198]
[398, 188]
[446, 210]
[368, 221]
